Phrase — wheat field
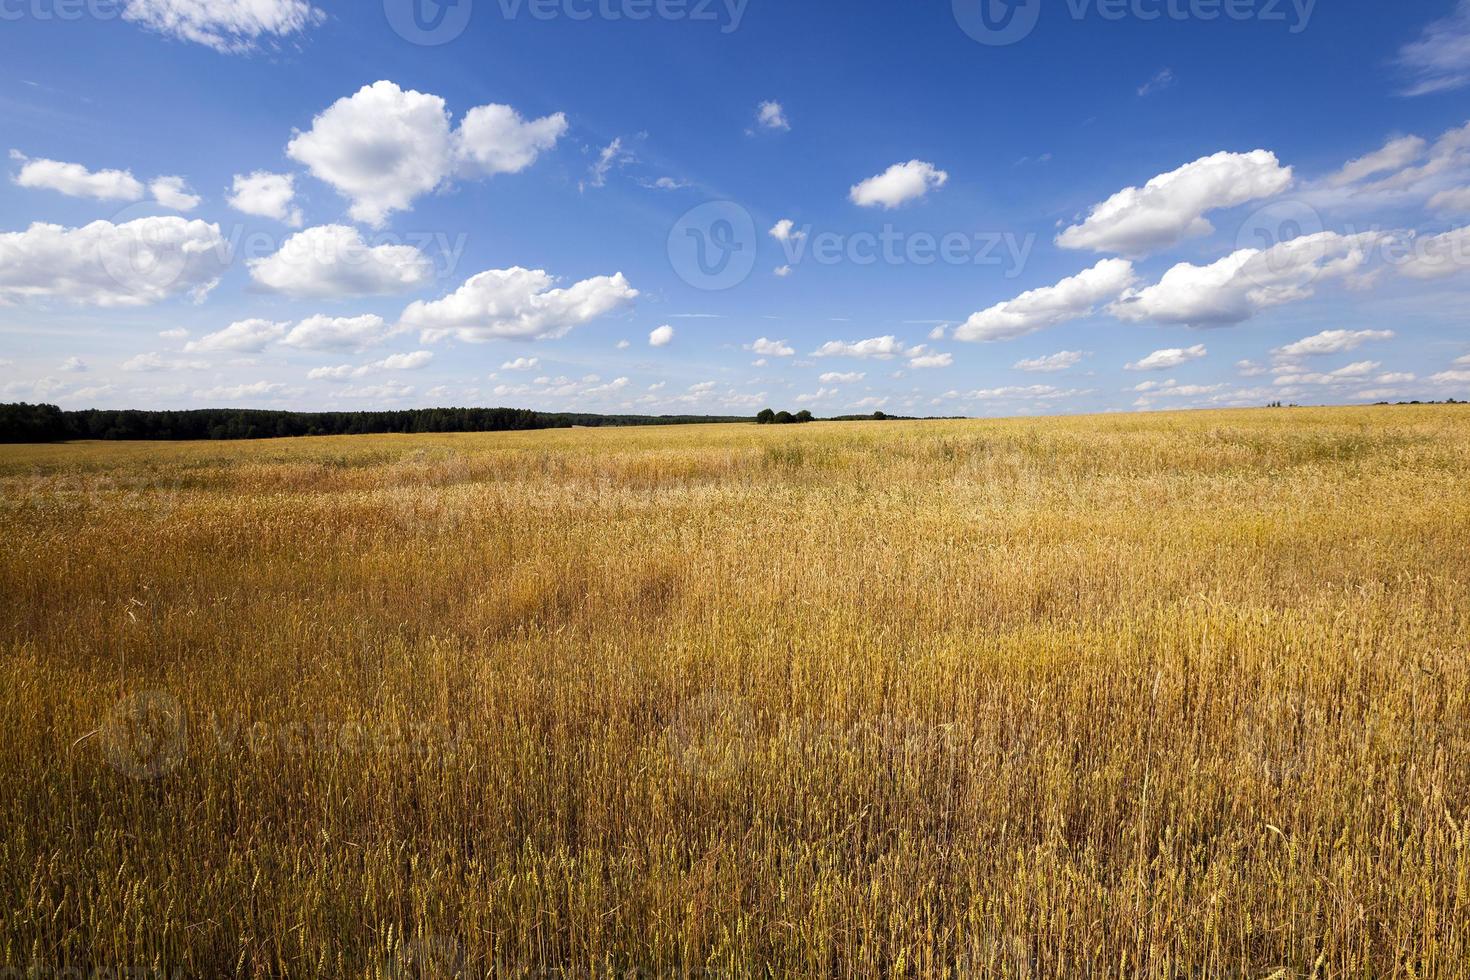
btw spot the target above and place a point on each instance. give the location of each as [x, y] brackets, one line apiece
[1166, 696]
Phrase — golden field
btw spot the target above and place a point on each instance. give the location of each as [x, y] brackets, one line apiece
[1166, 696]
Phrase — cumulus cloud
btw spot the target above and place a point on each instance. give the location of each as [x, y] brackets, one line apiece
[1172, 357]
[1456, 201]
[1439, 61]
[1049, 306]
[258, 389]
[1241, 285]
[137, 263]
[899, 184]
[394, 362]
[931, 360]
[174, 193]
[1060, 361]
[661, 337]
[842, 377]
[771, 348]
[522, 364]
[874, 348]
[517, 303]
[383, 147]
[1024, 393]
[1331, 342]
[75, 180]
[333, 261]
[158, 362]
[1350, 373]
[1439, 256]
[772, 115]
[1171, 207]
[785, 231]
[266, 195]
[241, 337]
[338, 333]
[227, 26]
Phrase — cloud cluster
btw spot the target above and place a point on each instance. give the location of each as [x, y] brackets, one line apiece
[333, 261]
[266, 195]
[384, 147]
[1036, 309]
[517, 303]
[136, 263]
[227, 26]
[1171, 207]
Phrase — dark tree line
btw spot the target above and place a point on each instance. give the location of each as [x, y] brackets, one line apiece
[768, 417]
[47, 423]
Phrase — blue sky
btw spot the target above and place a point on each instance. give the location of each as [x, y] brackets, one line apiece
[672, 207]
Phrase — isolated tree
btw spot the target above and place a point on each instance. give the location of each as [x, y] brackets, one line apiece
[804, 416]
[766, 417]
[784, 418]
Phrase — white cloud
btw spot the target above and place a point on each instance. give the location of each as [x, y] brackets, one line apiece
[1158, 83]
[610, 156]
[522, 364]
[157, 362]
[874, 348]
[227, 26]
[1163, 360]
[1050, 363]
[785, 231]
[1171, 207]
[266, 195]
[1439, 256]
[771, 348]
[338, 333]
[1440, 60]
[258, 389]
[1331, 342]
[333, 261]
[75, 180]
[1393, 156]
[934, 360]
[772, 115]
[517, 303]
[73, 365]
[782, 271]
[241, 337]
[177, 333]
[383, 147]
[1353, 372]
[898, 184]
[495, 139]
[1456, 201]
[174, 193]
[624, 344]
[842, 377]
[137, 263]
[1240, 285]
[1395, 378]
[661, 336]
[1024, 392]
[1463, 361]
[1173, 389]
[1451, 377]
[1049, 306]
[393, 362]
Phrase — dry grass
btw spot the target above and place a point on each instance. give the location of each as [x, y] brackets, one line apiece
[1147, 696]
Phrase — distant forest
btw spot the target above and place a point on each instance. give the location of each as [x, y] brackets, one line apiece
[47, 423]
